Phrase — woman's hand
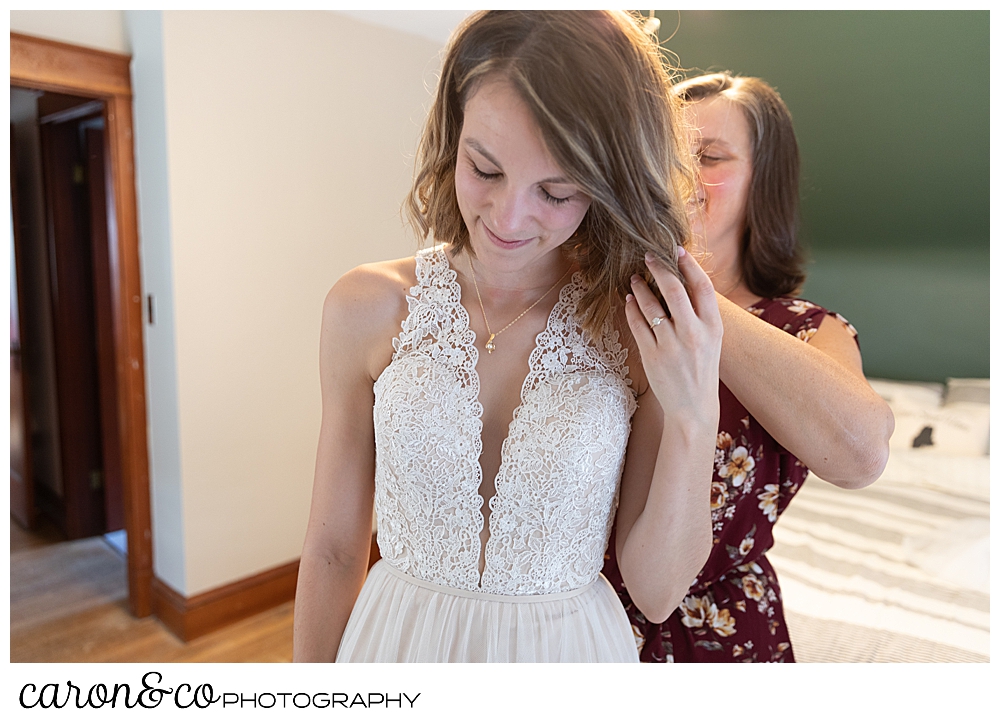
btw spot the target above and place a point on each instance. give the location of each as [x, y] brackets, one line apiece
[680, 353]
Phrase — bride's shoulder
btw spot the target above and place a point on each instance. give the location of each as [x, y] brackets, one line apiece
[368, 303]
[374, 284]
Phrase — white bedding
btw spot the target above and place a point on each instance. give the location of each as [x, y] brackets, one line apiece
[898, 571]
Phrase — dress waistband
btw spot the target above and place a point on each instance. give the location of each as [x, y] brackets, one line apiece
[476, 595]
[760, 565]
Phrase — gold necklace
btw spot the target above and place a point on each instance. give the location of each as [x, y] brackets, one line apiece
[490, 346]
[731, 289]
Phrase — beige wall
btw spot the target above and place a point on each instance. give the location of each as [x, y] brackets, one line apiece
[102, 29]
[273, 152]
[288, 138]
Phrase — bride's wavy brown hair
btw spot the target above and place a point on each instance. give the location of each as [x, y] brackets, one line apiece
[599, 89]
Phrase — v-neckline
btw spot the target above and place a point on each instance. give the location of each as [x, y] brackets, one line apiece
[473, 352]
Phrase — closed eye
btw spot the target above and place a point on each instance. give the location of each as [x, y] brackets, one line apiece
[554, 200]
[483, 175]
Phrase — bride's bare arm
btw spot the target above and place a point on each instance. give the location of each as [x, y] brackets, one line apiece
[358, 318]
[664, 526]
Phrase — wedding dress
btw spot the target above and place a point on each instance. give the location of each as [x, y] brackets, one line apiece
[541, 596]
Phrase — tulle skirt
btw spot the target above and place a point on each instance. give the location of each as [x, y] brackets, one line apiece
[398, 618]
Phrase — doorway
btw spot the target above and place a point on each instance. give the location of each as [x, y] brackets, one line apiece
[62, 344]
[78, 420]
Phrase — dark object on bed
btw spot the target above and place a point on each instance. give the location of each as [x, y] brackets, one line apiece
[924, 438]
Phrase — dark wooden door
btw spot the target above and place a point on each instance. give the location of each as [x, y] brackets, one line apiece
[22, 489]
[101, 235]
[77, 383]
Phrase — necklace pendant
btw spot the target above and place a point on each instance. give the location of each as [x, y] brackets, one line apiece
[490, 346]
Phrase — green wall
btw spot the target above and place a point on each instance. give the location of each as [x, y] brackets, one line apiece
[891, 110]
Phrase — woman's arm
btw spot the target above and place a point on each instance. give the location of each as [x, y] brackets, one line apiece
[334, 558]
[811, 397]
[664, 526]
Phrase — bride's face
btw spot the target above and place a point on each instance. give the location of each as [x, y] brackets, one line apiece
[517, 203]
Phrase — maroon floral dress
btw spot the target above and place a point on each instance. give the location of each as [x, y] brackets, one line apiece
[733, 611]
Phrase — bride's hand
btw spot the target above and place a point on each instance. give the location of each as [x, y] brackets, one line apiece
[680, 354]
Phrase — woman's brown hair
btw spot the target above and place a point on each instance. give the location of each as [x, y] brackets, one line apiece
[599, 90]
[770, 257]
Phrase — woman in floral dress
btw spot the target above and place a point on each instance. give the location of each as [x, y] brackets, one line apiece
[792, 393]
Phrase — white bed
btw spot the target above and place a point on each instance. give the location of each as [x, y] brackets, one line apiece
[898, 571]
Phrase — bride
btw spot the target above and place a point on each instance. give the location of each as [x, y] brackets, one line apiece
[497, 394]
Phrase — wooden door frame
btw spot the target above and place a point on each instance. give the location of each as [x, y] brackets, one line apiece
[40, 64]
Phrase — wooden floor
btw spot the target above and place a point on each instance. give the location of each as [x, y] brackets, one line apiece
[69, 603]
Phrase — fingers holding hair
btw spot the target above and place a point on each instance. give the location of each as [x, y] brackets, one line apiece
[702, 291]
[672, 289]
[637, 320]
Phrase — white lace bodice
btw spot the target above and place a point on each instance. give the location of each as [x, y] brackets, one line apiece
[561, 463]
